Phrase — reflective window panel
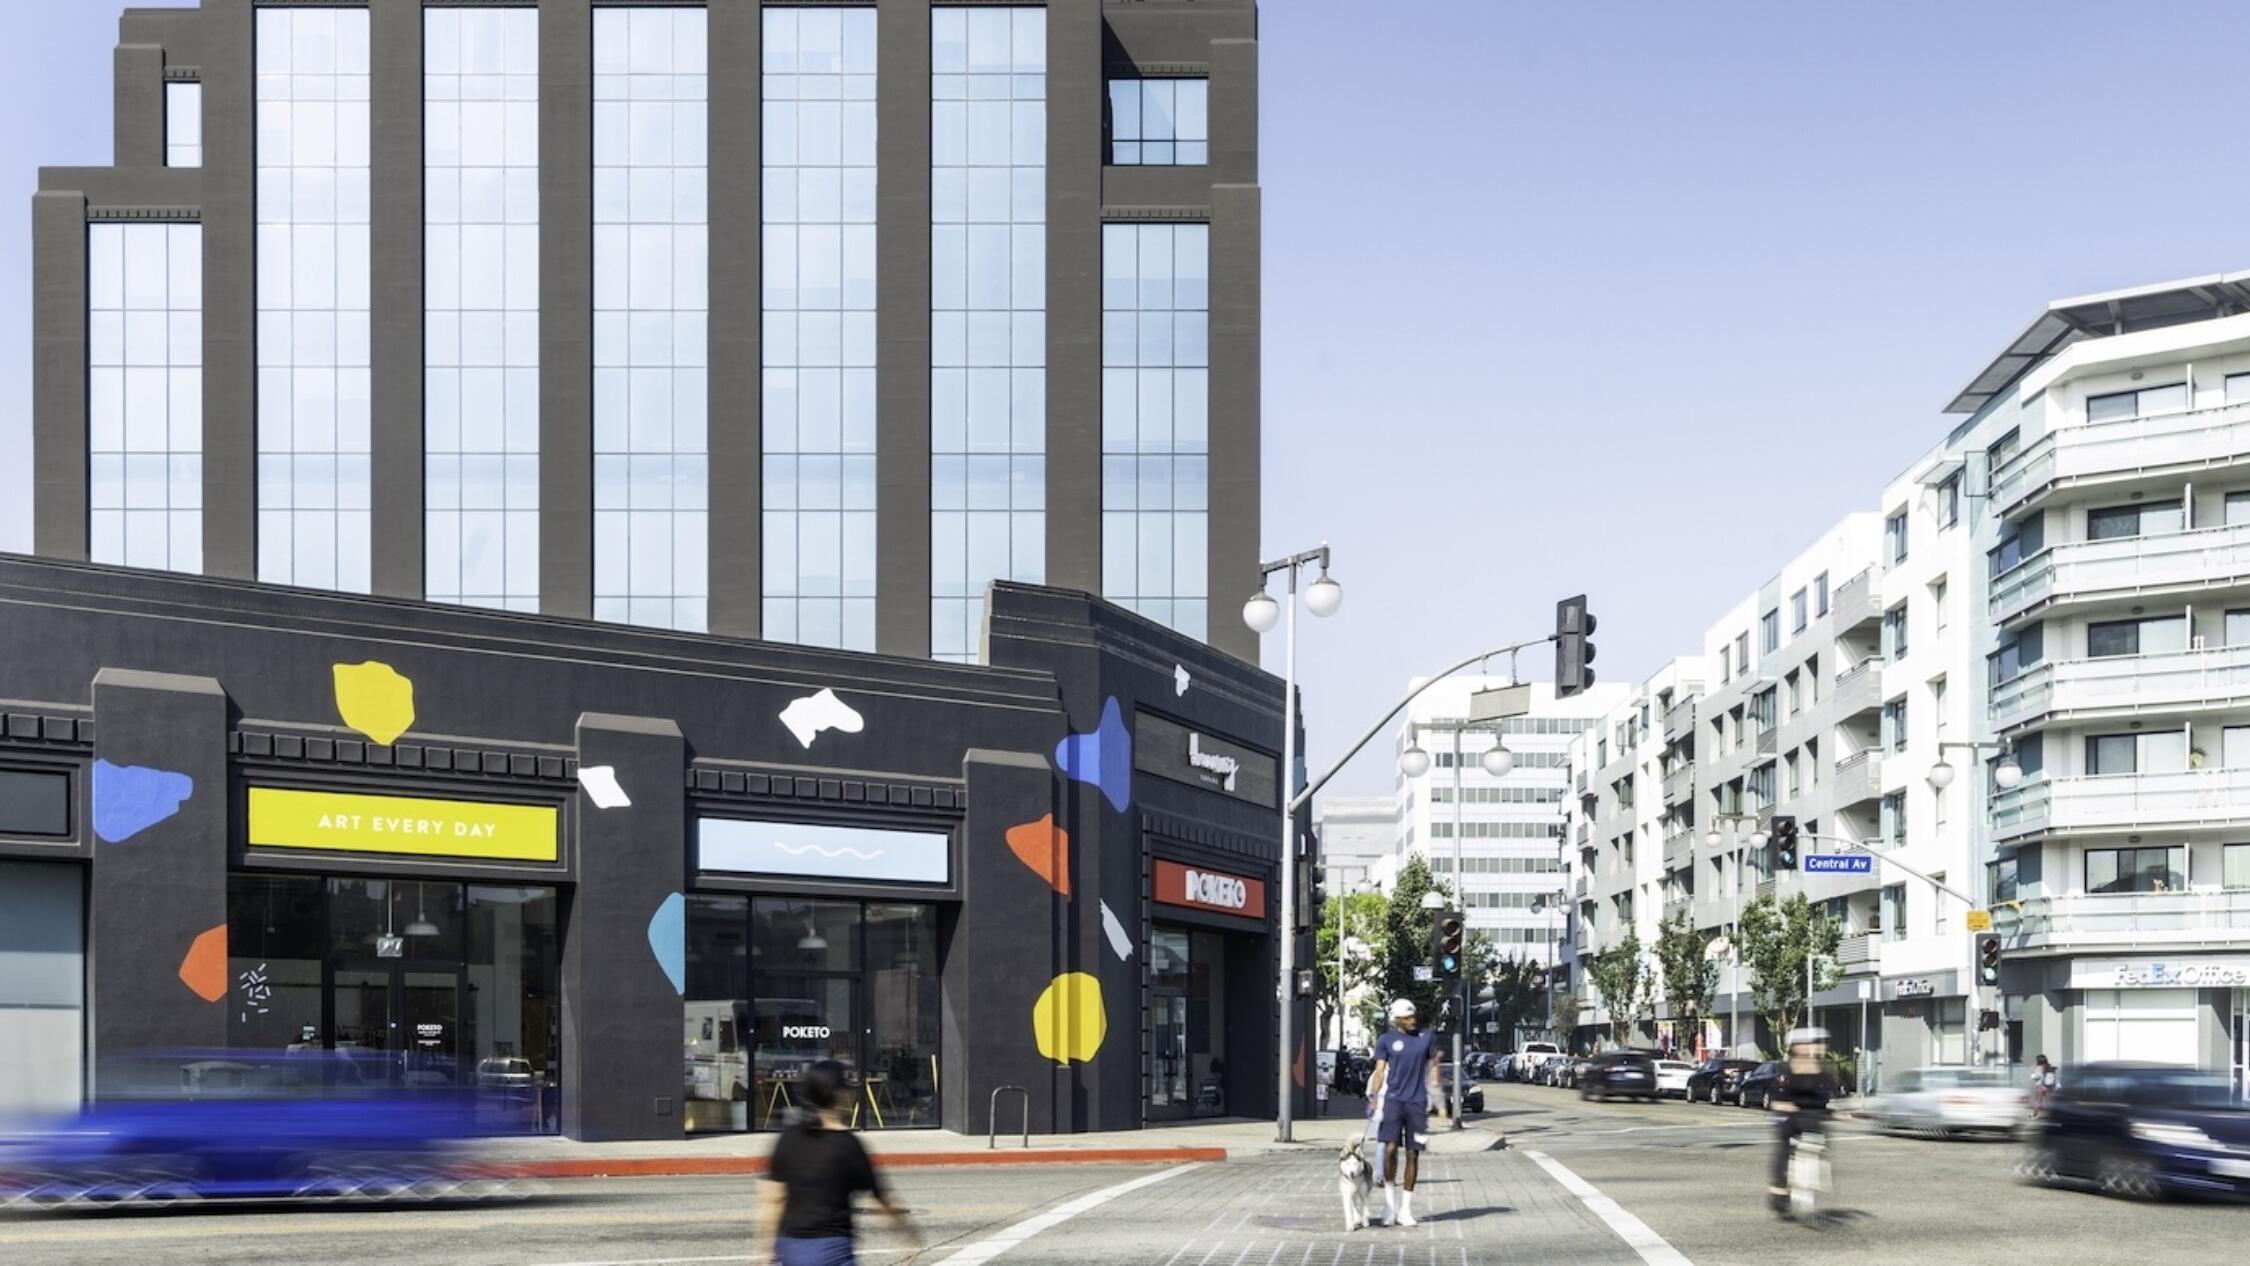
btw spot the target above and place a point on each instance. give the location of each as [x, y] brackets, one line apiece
[144, 429]
[1159, 122]
[480, 172]
[988, 320]
[1156, 465]
[183, 124]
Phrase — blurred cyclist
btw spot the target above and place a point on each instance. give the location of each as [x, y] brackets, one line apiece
[1801, 1098]
[1398, 1098]
[818, 1166]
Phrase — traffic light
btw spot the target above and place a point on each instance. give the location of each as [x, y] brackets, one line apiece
[1448, 937]
[1988, 960]
[1316, 892]
[1783, 832]
[1574, 648]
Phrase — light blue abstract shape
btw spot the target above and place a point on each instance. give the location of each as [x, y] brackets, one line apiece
[1103, 758]
[129, 799]
[667, 939]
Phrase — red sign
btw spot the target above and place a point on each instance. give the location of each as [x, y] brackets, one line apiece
[1200, 889]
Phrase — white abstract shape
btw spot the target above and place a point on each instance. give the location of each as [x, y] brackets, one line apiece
[1179, 679]
[799, 850]
[600, 782]
[808, 716]
[1118, 941]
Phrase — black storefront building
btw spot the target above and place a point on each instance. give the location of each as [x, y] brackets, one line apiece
[631, 883]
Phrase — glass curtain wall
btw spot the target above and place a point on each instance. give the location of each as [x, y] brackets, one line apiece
[819, 329]
[651, 318]
[988, 320]
[480, 156]
[314, 475]
[144, 339]
[1156, 465]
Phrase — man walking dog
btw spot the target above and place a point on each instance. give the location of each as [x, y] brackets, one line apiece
[1398, 1100]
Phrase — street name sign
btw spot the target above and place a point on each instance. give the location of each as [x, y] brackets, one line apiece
[1839, 864]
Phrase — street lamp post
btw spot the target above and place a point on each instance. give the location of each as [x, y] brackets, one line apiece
[2006, 775]
[1322, 598]
[1713, 839]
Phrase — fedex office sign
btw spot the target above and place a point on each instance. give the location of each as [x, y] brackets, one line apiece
[1182, 885]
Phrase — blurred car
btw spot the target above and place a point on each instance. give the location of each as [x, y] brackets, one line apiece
[2144, 1131]
[1672, 1076]
[1947, 1101]
[504, 1073]
[1628, 1073]
[1715, 1080]
[1755, 1088]
[1551, 1069]
[1574, 1073]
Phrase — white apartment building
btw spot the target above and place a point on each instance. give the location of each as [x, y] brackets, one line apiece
[1355, 833]
[1507, 832]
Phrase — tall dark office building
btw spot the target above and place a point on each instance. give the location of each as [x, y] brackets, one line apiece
[794, 321]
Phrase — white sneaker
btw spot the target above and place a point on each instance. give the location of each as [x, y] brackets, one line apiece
[1390, 1205]
[1405, 1211]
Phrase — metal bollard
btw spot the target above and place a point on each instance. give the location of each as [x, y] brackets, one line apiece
[992, 1117]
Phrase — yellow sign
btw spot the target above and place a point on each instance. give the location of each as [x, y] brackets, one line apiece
[348, 823]
[1980, 920]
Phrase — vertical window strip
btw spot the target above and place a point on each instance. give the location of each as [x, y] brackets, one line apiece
[651, 318]
[480, 154]
[1156, 466]
[183, 124]
[819, 327]
[314, 480]
[988, 259]
[145, 395]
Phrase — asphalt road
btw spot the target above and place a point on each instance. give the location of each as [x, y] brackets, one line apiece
[1581, 1185]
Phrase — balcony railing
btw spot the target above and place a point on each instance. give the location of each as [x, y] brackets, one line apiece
[1679, 785]
[1858, 777]
[1679, 720]
[2133, 447]
[2137, 919]
[2200, 558]
[1860, 953]
[2214, 677]
[1856, 602]
[2189, 797]
[1858, 688]
[1679, 850]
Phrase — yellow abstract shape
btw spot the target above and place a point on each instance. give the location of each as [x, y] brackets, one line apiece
[375, 700]
[1068, 1021]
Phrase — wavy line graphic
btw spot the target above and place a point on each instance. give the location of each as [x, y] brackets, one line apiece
[799, 850]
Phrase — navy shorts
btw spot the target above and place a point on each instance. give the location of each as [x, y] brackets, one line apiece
[1407, 1123]
[826, 1251]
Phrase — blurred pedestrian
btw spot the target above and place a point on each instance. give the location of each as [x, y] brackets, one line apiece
[1801, 1098]
[818, 1166]
[2043, 1083]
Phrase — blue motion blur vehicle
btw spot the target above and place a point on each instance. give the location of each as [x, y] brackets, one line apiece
[250, 1125]
[2144, 1131]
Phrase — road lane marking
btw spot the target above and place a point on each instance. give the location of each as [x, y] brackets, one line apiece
[1651, 1246]
[994, 1245]
[728, 1257]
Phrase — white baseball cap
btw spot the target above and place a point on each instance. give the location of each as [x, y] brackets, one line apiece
[1402, 1006]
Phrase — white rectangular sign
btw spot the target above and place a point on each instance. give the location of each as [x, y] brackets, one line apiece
[739, 847]
[2194, 971]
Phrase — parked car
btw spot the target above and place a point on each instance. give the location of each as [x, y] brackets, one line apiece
[1946, 1101]
[2144, 1131]
[1553, 1070]
[1575, 1072]
[1672, 1076]
[1530, 1056]
[1755, 1088]
[1631, 1073]
[1714, 1080]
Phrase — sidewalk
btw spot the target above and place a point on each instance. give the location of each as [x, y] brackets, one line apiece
[1217, 1140]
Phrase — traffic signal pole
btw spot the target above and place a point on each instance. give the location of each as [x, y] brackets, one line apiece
[1461, 898]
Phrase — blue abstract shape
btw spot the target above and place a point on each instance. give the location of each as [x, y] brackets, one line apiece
[129, 799]
[667, 939]
[1103, 758]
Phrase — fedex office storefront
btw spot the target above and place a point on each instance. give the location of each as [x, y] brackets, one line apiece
[2189, 1008]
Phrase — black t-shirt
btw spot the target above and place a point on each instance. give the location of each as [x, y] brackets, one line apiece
[820, 1171]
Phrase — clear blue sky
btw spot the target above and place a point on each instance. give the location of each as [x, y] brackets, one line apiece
[1549, 284]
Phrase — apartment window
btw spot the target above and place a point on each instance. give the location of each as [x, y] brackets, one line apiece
[2238, 388]
[1797, 617]
[2234, 747]
[2158, 752]
[1937, 903]
[1894, 632]
[1159, 122]
[2237, 508]
[2149, 519]
[1769, 632]
[988, 308]
[1789, 775]
[1894, 724]
[1726, 663]
[2005, 556]
[1940, 806]
[1893, 914]
[480, 318]
[1812, 761]
[1812, 678]
[2237, 628]
[1760, 788]
[1820, 594]
[2154, 635]
[2003, 450]
[1793, 683]
[314, 472]
[2161, 869]
[1894, 538]
[1949, 501]
[2000, 881]
[1741, 728]
[1156, 468]
[1762, 707]
[2235, 862]
[1938, 604]
[819, 352]
[144, 381]
[1937, 702]
[1742, 652]
[183, 124]
[1891, 817]
[2119, 406]
[651, 310]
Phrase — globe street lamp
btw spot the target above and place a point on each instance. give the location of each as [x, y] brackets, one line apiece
[1322, 598]
[2007, 775]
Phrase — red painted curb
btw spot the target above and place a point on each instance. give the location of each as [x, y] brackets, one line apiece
[678, 1166]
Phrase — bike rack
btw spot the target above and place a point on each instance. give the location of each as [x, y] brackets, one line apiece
[992, 1117]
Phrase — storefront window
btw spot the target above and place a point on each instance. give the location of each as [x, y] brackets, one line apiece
[387, 918]
[792, 934]
[903, 1008]
[718, 1013]
[513, 1019]
[274, 961]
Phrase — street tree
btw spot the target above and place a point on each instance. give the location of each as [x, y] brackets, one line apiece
[1623, 981]
[1562, 1017]
[1508, 993]
[1687, 972]
[1778, 940]
[1406, 940]
[1360, 918]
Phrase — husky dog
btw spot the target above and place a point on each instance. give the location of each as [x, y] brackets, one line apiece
[1355, 1183]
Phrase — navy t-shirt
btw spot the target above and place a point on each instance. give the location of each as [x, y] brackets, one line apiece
[1406, 1057]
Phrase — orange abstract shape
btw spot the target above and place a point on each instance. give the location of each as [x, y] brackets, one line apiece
[1068, 1021]
[204, 970]
[1045, 847]
[374, 699]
